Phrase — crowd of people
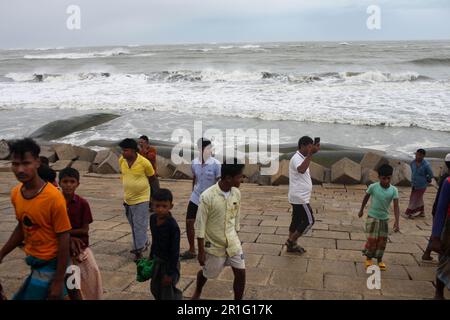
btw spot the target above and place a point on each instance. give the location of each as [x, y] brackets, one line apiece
[53, 220]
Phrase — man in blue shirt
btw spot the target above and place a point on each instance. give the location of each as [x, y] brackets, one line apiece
[440, 240]
[421, 176]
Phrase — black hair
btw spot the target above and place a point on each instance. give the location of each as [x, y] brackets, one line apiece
[231, 169]
[447, 163]
[385, 170]
[20, 147]
[128, 144]
[46, 173]
[304, 141]
[144, 138]
[203, 142]
[163, 195]
[422, 151]
[44, 160]
[69, 172]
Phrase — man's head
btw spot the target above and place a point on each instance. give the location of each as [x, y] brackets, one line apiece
[420, 154]
[143, 141]
[25, 159]
[385, 172]
[232, 173]
[447, 161]
[162, 202]
[205, 147]
[69, 180]
[305, 144]
[46, 173]
[129, 148]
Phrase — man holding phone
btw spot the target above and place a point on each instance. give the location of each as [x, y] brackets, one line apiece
[300, 189]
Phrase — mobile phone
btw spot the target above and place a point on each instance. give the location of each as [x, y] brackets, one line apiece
[316, 140]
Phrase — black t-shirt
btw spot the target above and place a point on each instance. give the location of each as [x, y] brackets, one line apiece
[166, 242]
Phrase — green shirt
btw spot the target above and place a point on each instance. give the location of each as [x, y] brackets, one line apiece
[381, 200]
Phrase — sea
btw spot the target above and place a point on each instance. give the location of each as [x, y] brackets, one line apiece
[391, 96]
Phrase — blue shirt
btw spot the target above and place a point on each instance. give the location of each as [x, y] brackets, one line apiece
[206, 175]
[442, 210]
[422, 175]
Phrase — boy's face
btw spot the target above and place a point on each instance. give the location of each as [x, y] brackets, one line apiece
[385, 181]
[25, 169]
[69, 185]
[236, 180]
[207, 151]
[419, 156]
[128, 153]
[162, 208]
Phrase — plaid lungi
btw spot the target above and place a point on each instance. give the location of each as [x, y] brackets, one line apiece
[377, 234]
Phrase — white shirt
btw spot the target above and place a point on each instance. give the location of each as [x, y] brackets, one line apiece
[206, 175]
[300, 184]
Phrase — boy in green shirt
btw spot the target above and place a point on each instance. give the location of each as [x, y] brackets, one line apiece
[377, 228]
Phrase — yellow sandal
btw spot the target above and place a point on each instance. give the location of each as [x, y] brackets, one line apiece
[382, 266]
[368, 263]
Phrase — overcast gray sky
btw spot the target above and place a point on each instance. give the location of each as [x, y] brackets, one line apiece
[42, 23]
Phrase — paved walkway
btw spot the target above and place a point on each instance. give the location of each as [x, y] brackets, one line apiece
[332, 268]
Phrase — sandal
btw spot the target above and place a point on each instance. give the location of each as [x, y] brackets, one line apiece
[187, 255]
[294, 248]
[382, 266]
[368, 263]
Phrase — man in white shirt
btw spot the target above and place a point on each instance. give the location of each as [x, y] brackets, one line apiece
[300, 188]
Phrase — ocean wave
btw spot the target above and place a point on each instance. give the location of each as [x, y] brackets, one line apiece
[213, 75]
[431, 61]
[80, 55]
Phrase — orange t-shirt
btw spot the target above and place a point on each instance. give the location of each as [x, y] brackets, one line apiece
[41, 218]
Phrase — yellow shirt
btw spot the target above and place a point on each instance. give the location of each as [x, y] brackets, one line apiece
[135, 180]
[218, 221]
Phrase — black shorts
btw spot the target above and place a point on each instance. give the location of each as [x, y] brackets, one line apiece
[191, 211]
[302, 218]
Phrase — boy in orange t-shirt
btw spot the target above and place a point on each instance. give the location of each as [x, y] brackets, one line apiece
[43, 226]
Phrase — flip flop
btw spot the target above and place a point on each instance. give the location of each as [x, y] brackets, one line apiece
[187, 255]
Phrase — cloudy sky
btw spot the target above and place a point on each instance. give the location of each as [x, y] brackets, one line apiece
[42, 23]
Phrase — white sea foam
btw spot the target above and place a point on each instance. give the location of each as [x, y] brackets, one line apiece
[80, 55]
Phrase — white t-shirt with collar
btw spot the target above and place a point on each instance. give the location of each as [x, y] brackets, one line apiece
[300, 184]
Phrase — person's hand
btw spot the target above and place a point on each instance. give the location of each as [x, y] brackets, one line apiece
[76, 246]
[436, 245]
[201, 257]
[56, 290]
[166, 281]
[396, 226]
[361, 213]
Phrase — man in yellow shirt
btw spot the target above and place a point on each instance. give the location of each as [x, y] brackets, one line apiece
[137, 175]
[216, 226]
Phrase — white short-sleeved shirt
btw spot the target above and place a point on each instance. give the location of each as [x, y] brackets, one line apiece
[300, 184]
[206, 175]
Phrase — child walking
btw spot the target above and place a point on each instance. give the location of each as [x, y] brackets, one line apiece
[377, 229]
[80, 217]
[165, 249]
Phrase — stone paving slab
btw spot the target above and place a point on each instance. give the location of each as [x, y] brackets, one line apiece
[332, 267]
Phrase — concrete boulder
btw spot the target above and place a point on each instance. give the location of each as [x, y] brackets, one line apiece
[282, 176]
[183, 171]
[82, 166]
[49, 153]
[101, 156]
[372, 161]
[346, 171]
[165, 167]
[252, 173]
[61, 164]
[66, 152]
[369, 176]
[438, 167]
[317, 173]
[85, 154]
[402, 173]
[4, 150]
[109, 166]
